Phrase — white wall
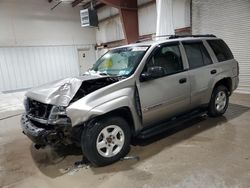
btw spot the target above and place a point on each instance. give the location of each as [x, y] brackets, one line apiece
[106, 12]
[229, 20]
[140, 2]
[25, 67]
[147, 16]
[38, 45]
[32, 23]
[147, 19]
[110, 29]
[181, 13]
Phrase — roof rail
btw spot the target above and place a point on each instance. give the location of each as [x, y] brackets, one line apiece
[173, 37]
[182, 36]
[144, 39]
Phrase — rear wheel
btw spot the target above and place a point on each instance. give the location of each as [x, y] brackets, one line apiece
[219, 101]
[106, 141]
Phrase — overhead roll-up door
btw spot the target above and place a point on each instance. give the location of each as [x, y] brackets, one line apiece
[229, 20]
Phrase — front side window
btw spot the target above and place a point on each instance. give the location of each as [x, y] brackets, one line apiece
[221, 50]
[168, 57]
[120, 61]
[197, 54]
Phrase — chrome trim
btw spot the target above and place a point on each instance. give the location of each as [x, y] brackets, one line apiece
[62, 121]
[152, 107]
[43, 121]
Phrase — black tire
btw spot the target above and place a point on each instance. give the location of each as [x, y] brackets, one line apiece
[212, 110]
[90, 135]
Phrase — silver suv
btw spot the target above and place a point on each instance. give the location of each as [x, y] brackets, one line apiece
[137, 90]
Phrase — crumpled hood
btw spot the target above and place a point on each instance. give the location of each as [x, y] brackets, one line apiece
[59, 92]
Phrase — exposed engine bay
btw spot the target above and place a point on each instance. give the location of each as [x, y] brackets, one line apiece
[61, 92]
[45, 120]
[93, 85]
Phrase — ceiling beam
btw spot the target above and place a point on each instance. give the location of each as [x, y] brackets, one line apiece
[99, 5]
[124, 4]
[76, 2]
[130, 27]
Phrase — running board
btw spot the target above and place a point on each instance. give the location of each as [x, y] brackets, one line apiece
[170, 124]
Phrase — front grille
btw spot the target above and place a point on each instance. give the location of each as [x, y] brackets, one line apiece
[37, 109]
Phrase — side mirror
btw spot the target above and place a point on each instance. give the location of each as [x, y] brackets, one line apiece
[152, 73]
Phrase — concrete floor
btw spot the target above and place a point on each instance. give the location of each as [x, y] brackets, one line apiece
[205, 153]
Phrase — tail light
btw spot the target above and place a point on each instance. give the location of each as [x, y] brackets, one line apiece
[238, 69]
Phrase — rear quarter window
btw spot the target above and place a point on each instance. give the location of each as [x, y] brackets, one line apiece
[197, 54]
[221, 50]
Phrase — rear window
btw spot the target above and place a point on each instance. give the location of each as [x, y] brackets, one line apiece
[197, 54]
[221, 50]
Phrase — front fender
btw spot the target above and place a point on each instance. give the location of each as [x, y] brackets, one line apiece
[118, 103]
[78, 116]
[82, 114]
[109, 106]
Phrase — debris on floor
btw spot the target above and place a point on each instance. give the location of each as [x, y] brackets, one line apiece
[84, 163]
[81, 164]
[130, 158]
[75, 168]
[64, 170]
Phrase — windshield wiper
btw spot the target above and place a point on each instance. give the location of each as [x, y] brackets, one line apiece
[100, 73]
[103, 74]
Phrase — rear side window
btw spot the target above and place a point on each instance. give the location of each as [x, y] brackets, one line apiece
[221, 50]
[197, 54]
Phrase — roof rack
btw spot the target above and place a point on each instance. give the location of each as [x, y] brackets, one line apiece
[183, 36]
[174, 37]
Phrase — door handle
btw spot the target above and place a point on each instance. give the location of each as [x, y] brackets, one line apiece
[213, 71]
[183, 80]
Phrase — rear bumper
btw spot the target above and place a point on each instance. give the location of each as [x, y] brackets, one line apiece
[42, 136]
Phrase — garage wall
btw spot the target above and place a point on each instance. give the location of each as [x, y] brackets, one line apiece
[147, 16]
[38, 45]
[31, 22]
[147, 19]
[110, 26]
[181, 13]
[110, 30]
[25, 67]
[229, 20]
[106, 12]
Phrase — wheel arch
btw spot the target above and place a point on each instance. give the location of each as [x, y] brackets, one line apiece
[226, 81]
[123, 112]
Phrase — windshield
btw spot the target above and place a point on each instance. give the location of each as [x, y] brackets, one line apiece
[121, 61]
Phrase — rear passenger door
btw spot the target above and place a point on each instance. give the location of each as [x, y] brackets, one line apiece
[201, 72]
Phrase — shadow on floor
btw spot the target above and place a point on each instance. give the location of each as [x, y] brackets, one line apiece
[54, 163]
[233, 111]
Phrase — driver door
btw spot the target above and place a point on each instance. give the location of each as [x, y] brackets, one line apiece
[169, 94]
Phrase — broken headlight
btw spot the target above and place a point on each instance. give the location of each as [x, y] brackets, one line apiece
[57, 112]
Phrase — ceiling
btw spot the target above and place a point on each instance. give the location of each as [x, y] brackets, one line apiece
[84, 3]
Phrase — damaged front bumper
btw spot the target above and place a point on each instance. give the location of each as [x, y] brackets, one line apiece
[42, 134]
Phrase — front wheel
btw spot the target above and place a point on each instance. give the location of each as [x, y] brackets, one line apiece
[106, 141]
[219, 101]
